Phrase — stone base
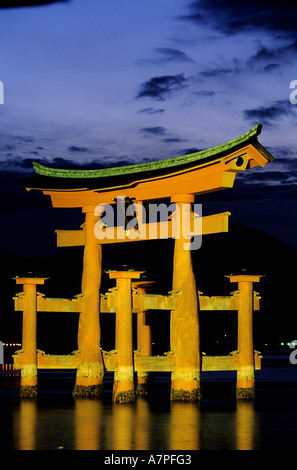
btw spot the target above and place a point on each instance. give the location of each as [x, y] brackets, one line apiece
[245, 393]
[142, 390]
[125, 397]
[186, 395]
[88, 391]
[28, 391]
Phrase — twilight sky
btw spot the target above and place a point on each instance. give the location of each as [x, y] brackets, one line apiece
[114, 82]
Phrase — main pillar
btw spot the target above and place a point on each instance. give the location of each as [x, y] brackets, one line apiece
[90, 373]
[123, 386]
[144, 338]
[245, 386]
[29, 381]
[184, 327]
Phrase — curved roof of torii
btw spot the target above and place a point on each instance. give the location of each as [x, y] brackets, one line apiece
[197, 173]
[46, 178]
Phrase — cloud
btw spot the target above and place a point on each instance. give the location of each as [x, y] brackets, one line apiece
[158, 130]
[23, 138]
[173, 140]
[173, 55]
[32, 3]
[270, 67]
[219, 72]
[166, 55]
[74, 148]
[273, 55]
[269, 114]
[160, 88]
[203, 93]
[152, 111]
[278, 17]
[188, 151]
[216, 72]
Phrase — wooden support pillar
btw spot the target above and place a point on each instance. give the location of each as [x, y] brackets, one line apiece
[90, 372]
[123, 387]
[29, 381]
[184, 327]
[245, 386]
[144, 338]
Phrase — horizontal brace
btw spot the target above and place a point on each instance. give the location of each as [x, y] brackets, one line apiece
[169, 302]
[224, 303]
[154, 363]
[167, 363]
[51, 305]
[231, 362]
[140, 302]
[154, 302]
[48, 361]
[70, 238]
[216, 223]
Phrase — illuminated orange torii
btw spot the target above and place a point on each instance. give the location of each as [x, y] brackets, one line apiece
[179, 180]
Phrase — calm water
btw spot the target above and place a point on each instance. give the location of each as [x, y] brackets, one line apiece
[56, 421]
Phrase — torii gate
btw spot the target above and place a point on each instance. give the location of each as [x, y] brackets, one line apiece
[180, 180]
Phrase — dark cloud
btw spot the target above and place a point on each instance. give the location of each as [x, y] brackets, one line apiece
[160, 88]
[74, 148]
[269, 178]
[32, 3]
[152, 111]
[228, 17]
[7, 147]
[216, 72]
[253, 191]
[287, 163]
[203, 93]
[282, 152]
[23, 138]
[269, 114]
[173, 55]
[173, 140]
[273, 56]
[166, 55]
[271, 67]
[189, 151]
[158, 130]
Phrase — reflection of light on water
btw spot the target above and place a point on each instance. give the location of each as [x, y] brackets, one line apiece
[88, 419]
[245, 425]
[142, 425]
[122, 426]
[25, 425]
[184, 426]
[130, 425]
[90, 424]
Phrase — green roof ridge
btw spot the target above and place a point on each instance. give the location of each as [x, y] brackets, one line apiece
[141, 167]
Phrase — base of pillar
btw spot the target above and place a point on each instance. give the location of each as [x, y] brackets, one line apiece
[28, 391]
[123, 391]
[245, 393]
[88, 391]
[125, 397]
[186, 395]
[142, 389]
